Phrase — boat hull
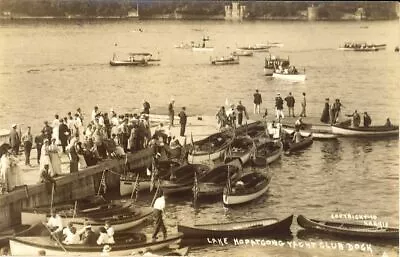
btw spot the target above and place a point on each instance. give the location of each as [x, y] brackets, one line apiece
[126, 186]
[26, 246]
[290, 77]
[224, 62]
[202, 49]
[301, 145]
[321, 135]
[366, 132]
[347, 229]
[263, 227]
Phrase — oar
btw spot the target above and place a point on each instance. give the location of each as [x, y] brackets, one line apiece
[52, 196]
[135, 186]
[155, 195]
[73, 216]
[55, 238]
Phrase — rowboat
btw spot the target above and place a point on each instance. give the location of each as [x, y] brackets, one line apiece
[291, 77]
[316, 134]
[259, 227]
[182, 178]
[294, 147]
[225, 60]
[242, 148]
[17, 230]
[267, 153]
[128, 181]
[248, 187]
[372, 131]
[347, 229]
[136, 59]
[120, 221]
[210, 148]
[213, 183]
[242, 53]
[28, 245]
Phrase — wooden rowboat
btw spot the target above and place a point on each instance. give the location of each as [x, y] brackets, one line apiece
[225, 60]
[260, 227]
[267, 153]
[315, 133]
[28, 245]
[183, 178]
[373, 131]
[253, 185]
[347, 229]
[212, 184]
[294, 147]
[242, 148]
[210, 148]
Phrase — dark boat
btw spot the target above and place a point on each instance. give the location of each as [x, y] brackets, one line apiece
[343, 129]
[267, 153]
[260, 227]
[213, 183]
[347, 229]
[182, 178]
[248, 187]
[294, 147]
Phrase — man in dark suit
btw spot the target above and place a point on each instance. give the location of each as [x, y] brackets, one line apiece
[182, 120]
[15, 139]
[89, 237]
[63, 133]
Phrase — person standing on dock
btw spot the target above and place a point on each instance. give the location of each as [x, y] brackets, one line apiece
[325, 116]
[290, 103]
[15, 140]
[279, 107]
[95, 112]
[39, 143]
[63, 133]
[47, 130]
[182, 120]
[241, 111]
[27, 138]
[171, 113]
[56, 126]
[159, 206]
[257, 102]
[303, 106]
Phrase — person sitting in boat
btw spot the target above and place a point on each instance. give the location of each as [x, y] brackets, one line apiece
[388, 123]
[89, 237]
[239, 185]
[367, 120]
[110, 232]
[297, 137]
[67, 230]
[103, 237]
[72, 237]
[55, 225]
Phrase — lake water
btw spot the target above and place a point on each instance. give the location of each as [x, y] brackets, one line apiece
[56, 66]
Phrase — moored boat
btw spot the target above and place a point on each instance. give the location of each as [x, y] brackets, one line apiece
[268, 152]
[347, 229]
[342, 129]
[27, 245]
[182, 178]
[294, 147]
[254, 48]
[259, 227]
[242, 148]
[316, 134]
[213, 183]
[225, 60]
[136, 59]
[248, 187]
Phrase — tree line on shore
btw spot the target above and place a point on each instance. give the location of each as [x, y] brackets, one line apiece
[148, 8]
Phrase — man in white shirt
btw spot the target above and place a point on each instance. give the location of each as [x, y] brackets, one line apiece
[55, 224]
[159, 206]
[110, 232]
[94, 113]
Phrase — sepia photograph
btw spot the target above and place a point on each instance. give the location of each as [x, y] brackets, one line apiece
[199, 128]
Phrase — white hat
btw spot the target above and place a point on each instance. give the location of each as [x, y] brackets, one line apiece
[107, 248]
[14, 125]
[88, 226]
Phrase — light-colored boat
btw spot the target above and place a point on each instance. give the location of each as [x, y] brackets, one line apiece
[291, 77]
[121, 221]
[249, 187]
[254, 48]
[136, 59]
[242, 53]
[361, 47]
[28, 246]
[373, 131]
[315, 133]
[202, 49]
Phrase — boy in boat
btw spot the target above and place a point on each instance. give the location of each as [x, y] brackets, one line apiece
[55, 225]
[388, 123]
[297, 137]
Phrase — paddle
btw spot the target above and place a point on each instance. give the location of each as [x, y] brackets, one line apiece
[55, 238]
[135, 188]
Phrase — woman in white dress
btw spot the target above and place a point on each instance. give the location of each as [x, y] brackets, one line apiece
[45, 157]
[54, 158]
[4, 171]
[79, 127]
[56, 125]
[10, 172]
